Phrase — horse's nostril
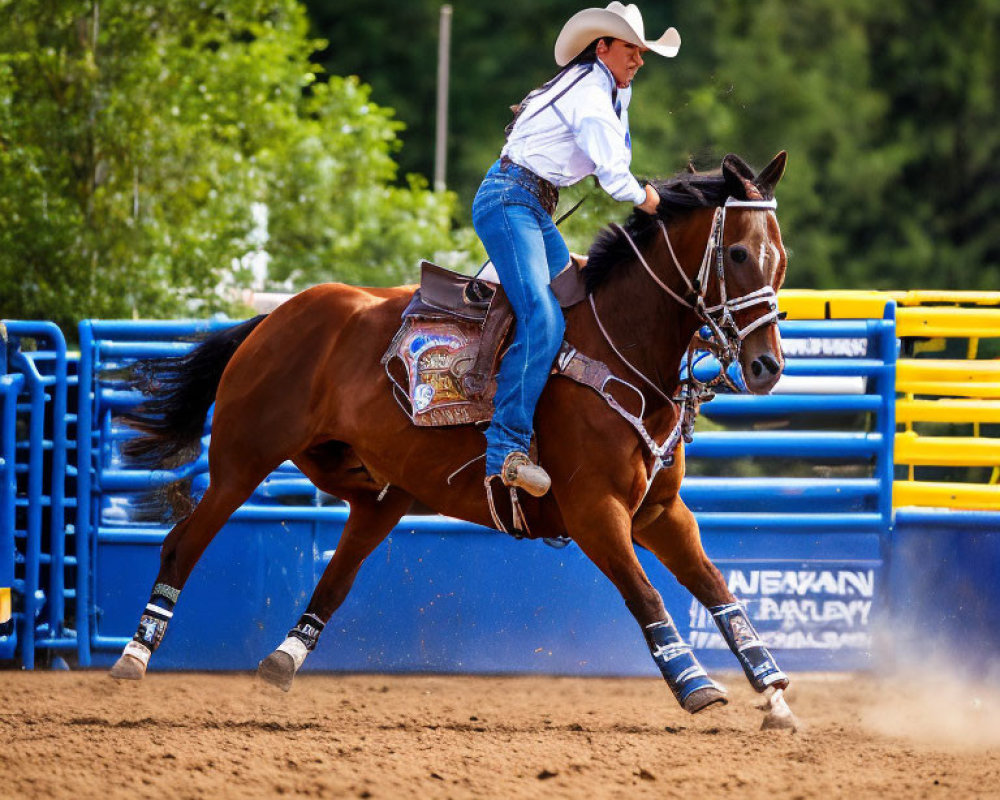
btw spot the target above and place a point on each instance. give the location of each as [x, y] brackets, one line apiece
[756, 368]
[771, 364]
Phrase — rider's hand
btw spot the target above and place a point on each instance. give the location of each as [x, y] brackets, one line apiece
[652, 201]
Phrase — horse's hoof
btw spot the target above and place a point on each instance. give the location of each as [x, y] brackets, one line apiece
[780, 717]
[278, 669]
[128, 668]
[779, 722]
[700, 699]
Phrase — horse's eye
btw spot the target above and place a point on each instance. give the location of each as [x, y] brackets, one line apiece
[739, 253]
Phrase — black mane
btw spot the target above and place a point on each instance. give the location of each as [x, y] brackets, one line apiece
[678, 196]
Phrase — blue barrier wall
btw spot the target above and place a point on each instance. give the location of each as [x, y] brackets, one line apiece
[458, 598]
[792, 492]
[945, 584]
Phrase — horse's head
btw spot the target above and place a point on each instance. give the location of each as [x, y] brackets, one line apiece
[721, 260]
[749, 269]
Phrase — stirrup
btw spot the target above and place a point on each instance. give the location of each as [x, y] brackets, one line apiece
[519, 523]
[519, 472]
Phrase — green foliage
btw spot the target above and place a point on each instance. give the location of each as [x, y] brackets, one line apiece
[136, 139]
[141, 142]
[887, 110]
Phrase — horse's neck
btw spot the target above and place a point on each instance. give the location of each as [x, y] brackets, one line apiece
[645, 324]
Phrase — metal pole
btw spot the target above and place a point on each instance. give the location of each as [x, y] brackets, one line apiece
[441, 135]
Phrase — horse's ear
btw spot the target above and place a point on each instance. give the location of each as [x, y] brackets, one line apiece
[771, 174]
[739, 177]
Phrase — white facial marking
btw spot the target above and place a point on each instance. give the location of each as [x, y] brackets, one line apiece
[777, 261]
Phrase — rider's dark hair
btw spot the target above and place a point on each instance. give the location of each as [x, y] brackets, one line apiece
[586, 56]
[589, 53]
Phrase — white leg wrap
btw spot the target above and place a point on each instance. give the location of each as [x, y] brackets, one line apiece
[138, 651]
[296, 648]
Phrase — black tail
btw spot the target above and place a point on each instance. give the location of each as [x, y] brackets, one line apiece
[181, 390]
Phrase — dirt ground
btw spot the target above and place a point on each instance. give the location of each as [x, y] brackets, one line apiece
[82, 735]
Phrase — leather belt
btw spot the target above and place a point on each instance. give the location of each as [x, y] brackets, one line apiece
[546, 192]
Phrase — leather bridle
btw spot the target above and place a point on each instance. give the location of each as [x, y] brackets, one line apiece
[725, 335]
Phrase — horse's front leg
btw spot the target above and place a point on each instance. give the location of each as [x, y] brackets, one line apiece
[370, 521]
[602, 530]
[666, 527]
[673, 536]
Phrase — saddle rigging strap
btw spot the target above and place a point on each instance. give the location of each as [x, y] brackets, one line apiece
[572, 364]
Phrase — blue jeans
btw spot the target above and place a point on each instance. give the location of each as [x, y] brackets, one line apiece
[528, 251]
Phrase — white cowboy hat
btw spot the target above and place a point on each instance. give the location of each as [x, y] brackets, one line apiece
[618, 21]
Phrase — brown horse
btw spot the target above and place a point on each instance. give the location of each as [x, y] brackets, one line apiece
[303, 383]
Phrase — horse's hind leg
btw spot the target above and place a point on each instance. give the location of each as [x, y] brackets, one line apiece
[603, 532]
[370, 521]
[674, 538]
[182, 548]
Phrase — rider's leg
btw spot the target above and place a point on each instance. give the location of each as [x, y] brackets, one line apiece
[527, 250]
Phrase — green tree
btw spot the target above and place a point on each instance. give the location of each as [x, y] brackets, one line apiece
[887, 111]
[136, 139]
[499, 52]
[767, 76]
[943, 206]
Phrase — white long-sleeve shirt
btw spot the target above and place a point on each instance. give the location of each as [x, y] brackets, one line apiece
[571, 130]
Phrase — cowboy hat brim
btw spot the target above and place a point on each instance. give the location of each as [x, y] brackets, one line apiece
[593, 23]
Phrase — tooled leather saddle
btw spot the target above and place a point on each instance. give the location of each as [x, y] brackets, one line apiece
[443, 359]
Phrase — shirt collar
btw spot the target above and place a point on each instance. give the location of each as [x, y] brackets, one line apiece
[623, 95]
[607, 74]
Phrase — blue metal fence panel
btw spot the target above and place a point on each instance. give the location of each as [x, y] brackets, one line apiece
[10, 387]
[40, 499]
[803, 546]
[106, 344]
[808, 551]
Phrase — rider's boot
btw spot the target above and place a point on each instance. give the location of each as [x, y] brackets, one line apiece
[519, 471]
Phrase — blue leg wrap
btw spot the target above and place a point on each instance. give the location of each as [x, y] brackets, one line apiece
[741, 636]
[681, 670]
[158, 613]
